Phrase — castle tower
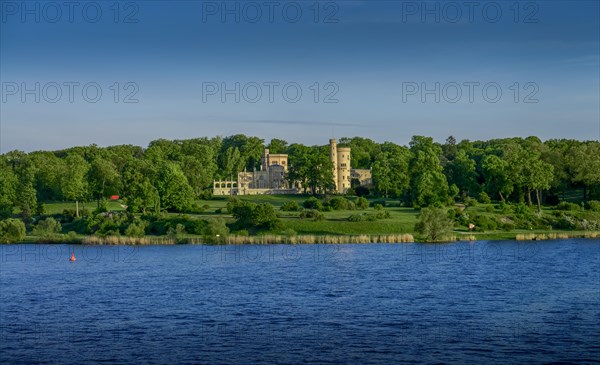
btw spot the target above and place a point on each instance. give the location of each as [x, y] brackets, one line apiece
[265, 160]
[343, 169]
[334, 161]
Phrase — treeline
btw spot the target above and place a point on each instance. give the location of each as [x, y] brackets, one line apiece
[173, 175]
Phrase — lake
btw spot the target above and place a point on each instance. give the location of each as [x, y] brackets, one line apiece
[483, 302]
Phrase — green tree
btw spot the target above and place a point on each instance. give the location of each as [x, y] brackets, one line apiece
[390, 172]
[278, 146]
[103, 177]
[74, 182]
[12, 230]
[138, 188]
[173, 188]
[428, 183]
[47, 229]
[496, 175]
[8, 188]
[434, 224]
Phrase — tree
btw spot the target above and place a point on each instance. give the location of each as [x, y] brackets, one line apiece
[173, 188]
[461, 171]
[390, 172]
[12, 230]
[73, 182]
[584, 164]
[102, 177]
[8, 188]
[26, 194]
[199, 167]
[278, 146]
[47, 229]
[496, 174]
[428, 183]
[434, 224]
[140, 192]
[311, 168]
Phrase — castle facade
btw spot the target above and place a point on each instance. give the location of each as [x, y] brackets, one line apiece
[272, 176]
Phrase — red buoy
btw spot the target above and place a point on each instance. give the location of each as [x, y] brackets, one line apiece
[72, 257]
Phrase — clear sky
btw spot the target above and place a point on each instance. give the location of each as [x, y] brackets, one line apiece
[361, 67]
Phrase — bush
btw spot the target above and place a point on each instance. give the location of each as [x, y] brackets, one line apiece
[594, 205]
[434, 224]
[470, 202]
[338, 203]
[489, 209]
[361, 203]
[291, 206]
[312, 214]
[484, 223]
[136, 229]
[567, 206]
[215, 227]
[313, 203]
[483, 198]
[378, 206]
[12, 230]
[47, 229]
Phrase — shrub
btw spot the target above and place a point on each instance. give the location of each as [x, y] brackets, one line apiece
[483, 198]
[215, 227]
[489, 209]
[136, 229]
[47, 229]
[313, 203]
[378, 206]
[176, 232]
[242, 232]
[291, 206]
[434, 224]
[361, 203]
[338, 203]
[312, 214]
[484, 223]
[12, 230]
[218, 211]
[567, 206]
[470, 202]
[594, 205]
[71, 237]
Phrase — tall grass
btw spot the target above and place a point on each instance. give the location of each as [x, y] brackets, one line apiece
[253, 240]
[556, 236]
[122, 240]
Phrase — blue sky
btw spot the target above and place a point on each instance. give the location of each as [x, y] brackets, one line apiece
[364, 54]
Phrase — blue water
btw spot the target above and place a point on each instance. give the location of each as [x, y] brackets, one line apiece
[487, 302]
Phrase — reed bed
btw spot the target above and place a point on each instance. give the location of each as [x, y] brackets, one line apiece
[313, 239]
[556, 236]
[122, 240]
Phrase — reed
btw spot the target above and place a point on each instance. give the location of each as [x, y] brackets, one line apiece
[314, 239]
[556, 236]
[122, 240]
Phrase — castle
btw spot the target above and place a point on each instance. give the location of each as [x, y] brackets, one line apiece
[272, 179]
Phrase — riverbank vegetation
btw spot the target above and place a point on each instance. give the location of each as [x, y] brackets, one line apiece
[496, 189]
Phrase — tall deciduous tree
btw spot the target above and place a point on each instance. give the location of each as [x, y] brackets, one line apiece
[428, 183]
[390, 171]
[74, 182]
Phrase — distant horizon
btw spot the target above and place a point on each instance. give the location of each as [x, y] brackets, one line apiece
[268, 140]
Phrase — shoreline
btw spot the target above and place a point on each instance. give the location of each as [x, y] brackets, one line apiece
[310, 239]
